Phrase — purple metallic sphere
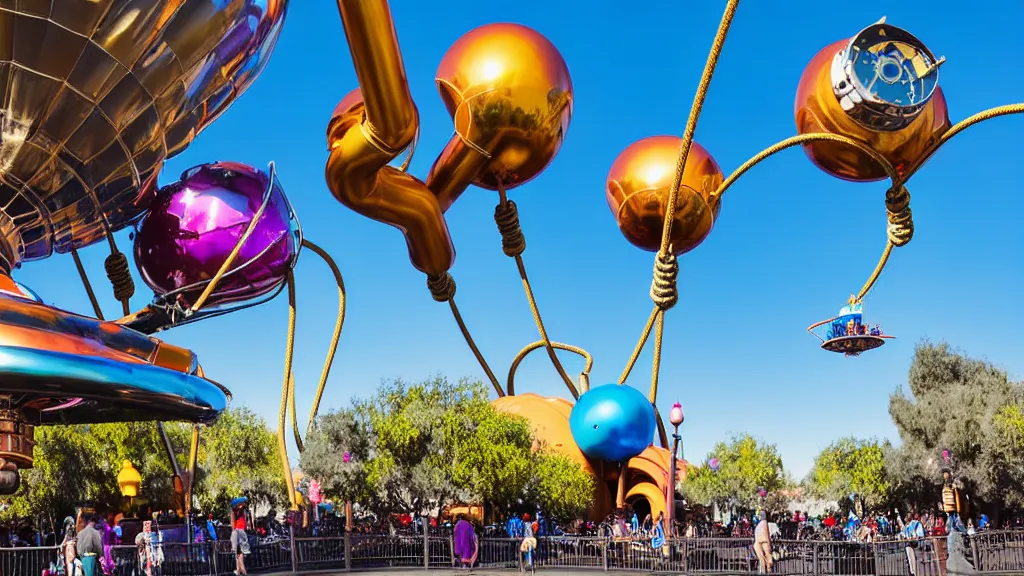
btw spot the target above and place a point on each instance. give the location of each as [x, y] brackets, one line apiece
[194, 224]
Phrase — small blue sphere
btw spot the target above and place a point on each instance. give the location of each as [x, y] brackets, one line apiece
[612, 422]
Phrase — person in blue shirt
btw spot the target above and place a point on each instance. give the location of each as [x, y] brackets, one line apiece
[514, 527]
[211, 529]
[913, 532]
[658, 540]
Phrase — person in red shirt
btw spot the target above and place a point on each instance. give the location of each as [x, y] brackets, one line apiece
[830, 521]
[239, 537]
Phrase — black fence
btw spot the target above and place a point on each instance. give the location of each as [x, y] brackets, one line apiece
[984, 553]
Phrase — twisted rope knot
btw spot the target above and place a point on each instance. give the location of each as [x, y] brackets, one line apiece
[442, 287]
[506, 216]
[900, 228]
[116, 266]
[663, 287]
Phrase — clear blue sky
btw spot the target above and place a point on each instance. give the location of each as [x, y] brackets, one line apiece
[767, 266]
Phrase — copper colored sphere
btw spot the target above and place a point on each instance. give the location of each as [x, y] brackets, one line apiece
[817, 109]
[638, 187]
[510, 96]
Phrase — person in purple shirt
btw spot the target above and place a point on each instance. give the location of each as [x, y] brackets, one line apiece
[465, 542]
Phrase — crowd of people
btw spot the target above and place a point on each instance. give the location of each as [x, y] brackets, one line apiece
[86, 548]
[86, 545]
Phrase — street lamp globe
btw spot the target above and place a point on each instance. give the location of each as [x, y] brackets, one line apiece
[676, 415]
[129, 480]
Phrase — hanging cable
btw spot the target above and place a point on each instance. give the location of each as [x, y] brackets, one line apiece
[332, 349]
[663, 288]
[442, 289]
[584, 376]
[282, 443]
[513, 244]
[226, 266]
[193, 458]
[88, 285]
[959, 127]
[644, 337]
[120, 276]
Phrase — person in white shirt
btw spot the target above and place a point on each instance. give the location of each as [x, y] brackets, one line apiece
[763, 544]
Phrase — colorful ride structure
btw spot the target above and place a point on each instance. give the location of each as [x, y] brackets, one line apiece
[97, 94]
[847, 332]
[867, 108]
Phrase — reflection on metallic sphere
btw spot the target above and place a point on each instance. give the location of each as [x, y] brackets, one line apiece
[97, 93]
[509, 93]
[195, 223]
[839, 94]
[612, 423]
[638, 187]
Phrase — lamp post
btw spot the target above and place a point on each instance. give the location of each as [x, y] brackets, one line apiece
[129, 481]
[675, 417]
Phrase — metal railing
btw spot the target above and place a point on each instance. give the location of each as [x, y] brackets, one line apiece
[987, 552]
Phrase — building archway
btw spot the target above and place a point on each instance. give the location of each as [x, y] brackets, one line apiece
[641, 507]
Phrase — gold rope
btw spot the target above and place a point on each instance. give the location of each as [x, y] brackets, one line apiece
[506, 215]
[877, 272]
[193, 457]
[691, 121]
[120, 276]
[663, 290]
[339, 322]
[282, 443]
[804, 139]
[659, 329]
[88, 285]
[960, 127]
[442, 289]
[662, 433]
[193, 453]
[589, 360]
[473, 347]
[212, 285]
[639, 345]
[900, 225]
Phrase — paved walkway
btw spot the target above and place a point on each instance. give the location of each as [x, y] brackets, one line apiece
[463, 572]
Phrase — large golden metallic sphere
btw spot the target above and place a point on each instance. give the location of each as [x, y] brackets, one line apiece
[509, 93]
[638, 187]
[818, 110]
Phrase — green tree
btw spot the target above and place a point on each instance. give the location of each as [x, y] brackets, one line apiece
[336, 434]
[960, 404]
[745, 465]
[412, 444]
[436, 443]
[79, 464]
[851, 467]
[237, 456]
[560, 486]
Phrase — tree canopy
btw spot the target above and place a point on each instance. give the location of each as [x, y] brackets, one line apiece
[560, 486]
[79, 464]
[851, 469]
[745, 466]
[434, 443]
[237, 456]
[967, 407]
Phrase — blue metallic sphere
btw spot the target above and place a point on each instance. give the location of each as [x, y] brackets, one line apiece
[612, 423]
